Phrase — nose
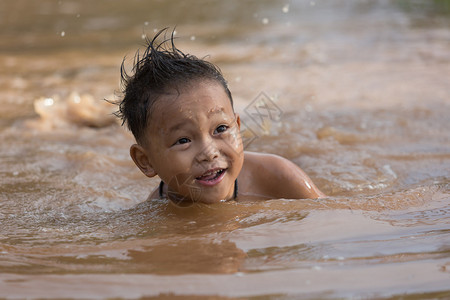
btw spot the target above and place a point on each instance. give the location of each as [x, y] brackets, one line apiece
[208, 152]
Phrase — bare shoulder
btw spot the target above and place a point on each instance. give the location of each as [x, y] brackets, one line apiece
[277, 177]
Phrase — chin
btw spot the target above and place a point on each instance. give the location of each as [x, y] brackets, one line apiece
[215, 194]
[212, 198]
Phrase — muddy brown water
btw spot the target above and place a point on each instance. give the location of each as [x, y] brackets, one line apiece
[363, 96]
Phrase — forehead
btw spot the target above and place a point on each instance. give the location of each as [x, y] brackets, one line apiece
[200, 99]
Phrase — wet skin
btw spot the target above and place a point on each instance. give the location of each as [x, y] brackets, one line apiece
[193, 144]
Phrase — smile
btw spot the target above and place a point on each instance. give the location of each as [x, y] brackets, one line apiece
[211, 177]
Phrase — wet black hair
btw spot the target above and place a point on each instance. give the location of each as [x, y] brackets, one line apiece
[161, 68]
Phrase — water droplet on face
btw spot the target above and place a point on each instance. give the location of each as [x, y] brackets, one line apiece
[63, 33]
[193, 38]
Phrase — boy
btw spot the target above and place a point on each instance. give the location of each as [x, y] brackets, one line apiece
[180, 111]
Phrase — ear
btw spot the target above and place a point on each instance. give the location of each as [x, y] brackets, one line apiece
[238, 121]
[141, 160]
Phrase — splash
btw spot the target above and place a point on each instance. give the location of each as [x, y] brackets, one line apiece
[80, 110]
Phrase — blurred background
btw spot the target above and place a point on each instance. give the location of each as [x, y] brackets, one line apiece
[45, 45]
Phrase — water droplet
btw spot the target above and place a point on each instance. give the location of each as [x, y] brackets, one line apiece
[307, 184]
[76, 99]
[286, 8]
[143, 36]
[48, 101]
[193, 38]
[146, 23]
[265, 21]
[63, 33]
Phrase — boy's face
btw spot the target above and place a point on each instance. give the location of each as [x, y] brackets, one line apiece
[193, 143]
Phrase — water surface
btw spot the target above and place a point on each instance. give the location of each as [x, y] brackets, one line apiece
[364, 99]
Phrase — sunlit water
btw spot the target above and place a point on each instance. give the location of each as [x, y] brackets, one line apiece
[363, 97]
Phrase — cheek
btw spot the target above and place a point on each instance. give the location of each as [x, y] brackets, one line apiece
[234, 142]
[179, 160]
[175, 173]
[236, 139]
[173, 164]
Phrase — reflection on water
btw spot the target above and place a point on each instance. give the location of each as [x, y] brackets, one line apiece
[364, 91]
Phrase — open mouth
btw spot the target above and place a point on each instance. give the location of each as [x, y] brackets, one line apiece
[211, 177]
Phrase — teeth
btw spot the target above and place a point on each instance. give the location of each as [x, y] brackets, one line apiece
[210, 173]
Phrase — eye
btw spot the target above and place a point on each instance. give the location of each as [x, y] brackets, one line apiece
[220, 129]
[182, 141]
